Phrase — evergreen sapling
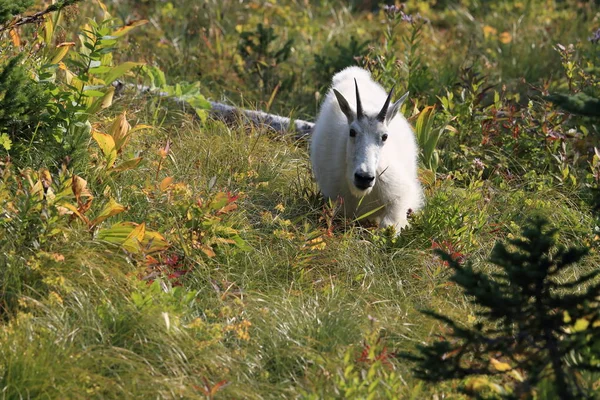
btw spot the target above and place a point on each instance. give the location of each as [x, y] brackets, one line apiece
[533, 326]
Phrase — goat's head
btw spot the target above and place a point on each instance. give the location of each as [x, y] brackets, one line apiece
[367, 134]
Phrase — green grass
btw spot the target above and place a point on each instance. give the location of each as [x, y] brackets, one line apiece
[289, 313]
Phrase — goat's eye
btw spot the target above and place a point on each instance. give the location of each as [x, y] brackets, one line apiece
[352, 133]
[384, 137]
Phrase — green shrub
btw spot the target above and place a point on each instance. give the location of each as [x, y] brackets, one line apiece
[10, 8]
[22, 104]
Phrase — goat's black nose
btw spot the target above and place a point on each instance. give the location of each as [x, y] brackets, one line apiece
[363, 181]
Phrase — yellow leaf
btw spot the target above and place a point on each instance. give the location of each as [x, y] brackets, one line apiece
[505, 37]
[207, 250]
[75, 82]
[107, 145]
[46, 178]
[15, 38]
[103, 7]
[48, 30]
[581, 325]
[129, 164]
[139, 127]
[117, 233]
[102, 102]
[60, 52]
[50, 196]
[134, 240]
[500, 366]
[165, 183]
[76, 212]
[154, 241]
[223, 241]
[110, 209]
[516, 375]
[478, 384]
[38, 190]
[79, 187]
[63, 211]
[131, 25]
[119, 130]
[69, 76]
[108, 98]
[489, 31]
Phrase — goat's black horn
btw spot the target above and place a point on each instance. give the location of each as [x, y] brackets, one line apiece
[384, 110]
[359, 109]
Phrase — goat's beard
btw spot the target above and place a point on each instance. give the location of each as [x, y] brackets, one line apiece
[356, 192]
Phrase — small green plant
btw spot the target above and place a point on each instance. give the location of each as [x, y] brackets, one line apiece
[256, 49]
[22, 104]
[337, 57]
[368, 371]
[581, 69]
[385, 62]
[535, 328]
[207, 225]
[428, 137]
[184, 92]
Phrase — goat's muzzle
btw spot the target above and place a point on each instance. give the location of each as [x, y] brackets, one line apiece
[363, 181]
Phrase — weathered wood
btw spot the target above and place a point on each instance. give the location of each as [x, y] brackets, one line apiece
[299, 128]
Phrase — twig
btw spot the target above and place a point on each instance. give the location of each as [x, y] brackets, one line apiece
[229, 113]
[35, 18]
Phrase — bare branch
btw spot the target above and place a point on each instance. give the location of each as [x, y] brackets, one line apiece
[38, 16]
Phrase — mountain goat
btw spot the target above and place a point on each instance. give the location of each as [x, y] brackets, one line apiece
[364, 152]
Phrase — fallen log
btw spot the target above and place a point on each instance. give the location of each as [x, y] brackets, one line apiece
[299, 128]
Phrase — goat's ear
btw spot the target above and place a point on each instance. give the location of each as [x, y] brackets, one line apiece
[344, 106]
[393, 110]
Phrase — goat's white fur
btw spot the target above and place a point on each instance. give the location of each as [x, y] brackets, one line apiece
[392, 163]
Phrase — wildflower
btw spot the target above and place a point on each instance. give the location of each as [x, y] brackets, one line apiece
[595, 38]
[316, 244]
[478, 164]
[55, 299]
[391, 9]
[407, 18]
[283, 234]
[266, 217]
[240, 329]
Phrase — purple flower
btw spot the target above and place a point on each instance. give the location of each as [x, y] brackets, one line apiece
[407, 18]
[478, 164]
[393, 9]
[595, 38]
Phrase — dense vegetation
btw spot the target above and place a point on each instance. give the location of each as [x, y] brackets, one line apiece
[150, 251]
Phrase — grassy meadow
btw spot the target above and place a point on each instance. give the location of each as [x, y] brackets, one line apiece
[150, 251]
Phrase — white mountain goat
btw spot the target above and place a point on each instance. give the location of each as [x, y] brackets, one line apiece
[364, 152]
